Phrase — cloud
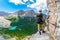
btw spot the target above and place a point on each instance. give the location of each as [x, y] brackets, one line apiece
[32, 0]
[40, 4]
[25, 0]
[16, 2]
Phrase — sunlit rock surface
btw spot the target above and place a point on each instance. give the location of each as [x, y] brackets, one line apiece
[45, 36]
[4, 23]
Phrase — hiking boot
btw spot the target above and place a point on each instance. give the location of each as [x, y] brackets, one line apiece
[43, 31]
[39, 32]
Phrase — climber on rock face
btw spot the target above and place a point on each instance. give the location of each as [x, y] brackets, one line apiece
[40, 22]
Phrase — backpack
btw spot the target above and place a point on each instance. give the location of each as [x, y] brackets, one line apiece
[40, 19]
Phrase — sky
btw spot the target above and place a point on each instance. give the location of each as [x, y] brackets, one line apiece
[15, 5]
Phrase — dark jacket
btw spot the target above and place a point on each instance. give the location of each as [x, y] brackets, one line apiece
[40, 19]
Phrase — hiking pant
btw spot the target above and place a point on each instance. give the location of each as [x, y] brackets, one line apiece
[40, 26]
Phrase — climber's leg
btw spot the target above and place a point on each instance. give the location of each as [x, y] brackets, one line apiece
[39, 29]
[43, 26]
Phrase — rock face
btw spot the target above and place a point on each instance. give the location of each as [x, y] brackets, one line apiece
[30, 13]
[4, 23]
[13, 15]
[58, 11]
[53, 16]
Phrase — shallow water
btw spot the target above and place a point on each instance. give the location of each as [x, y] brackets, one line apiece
[13, 28]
